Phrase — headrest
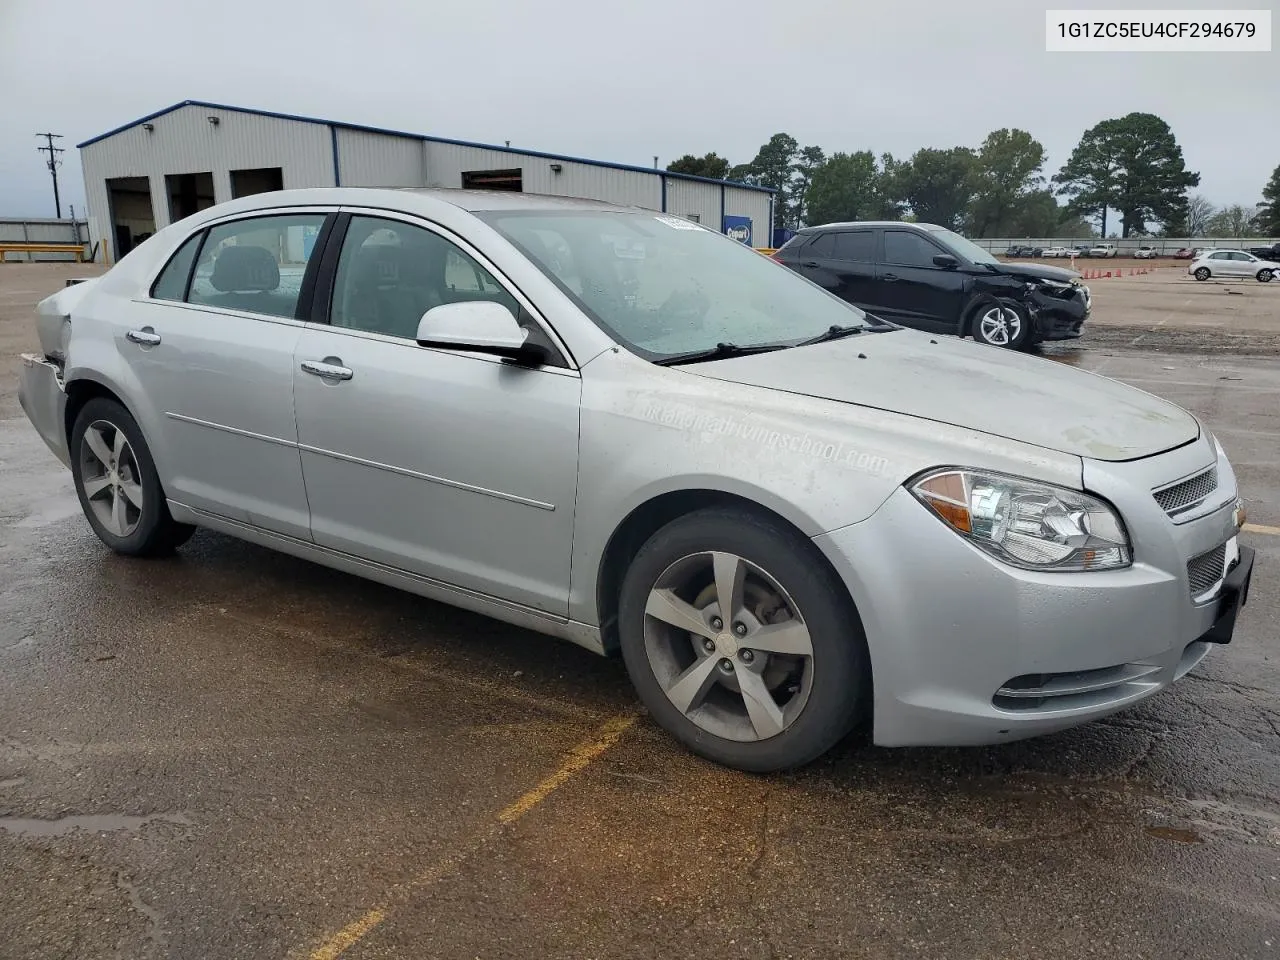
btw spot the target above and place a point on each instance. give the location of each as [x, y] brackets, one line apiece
[241, 269]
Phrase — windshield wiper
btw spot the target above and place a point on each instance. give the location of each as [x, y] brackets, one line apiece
[720, 351]
[834, 332]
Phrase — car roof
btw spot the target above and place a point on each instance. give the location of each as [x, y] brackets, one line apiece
[410, 199]
[846, 224]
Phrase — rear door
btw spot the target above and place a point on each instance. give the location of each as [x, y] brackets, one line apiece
[841, 262]
[912, 289]
[212, 346]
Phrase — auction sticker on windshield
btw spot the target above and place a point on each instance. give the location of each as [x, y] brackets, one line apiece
[678, 223]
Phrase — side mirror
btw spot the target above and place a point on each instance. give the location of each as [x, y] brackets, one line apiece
[945, 261]
[480, 326]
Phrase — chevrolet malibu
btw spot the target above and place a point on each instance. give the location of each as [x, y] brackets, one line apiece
[619, 428]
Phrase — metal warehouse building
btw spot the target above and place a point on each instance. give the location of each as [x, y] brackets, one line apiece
[160, 168]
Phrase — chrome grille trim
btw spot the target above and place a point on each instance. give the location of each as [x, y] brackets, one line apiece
[1204, 571]
[1178, 498]
[1062, 691]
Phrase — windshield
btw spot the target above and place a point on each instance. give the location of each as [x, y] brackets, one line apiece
[664, 286]
[965, 248]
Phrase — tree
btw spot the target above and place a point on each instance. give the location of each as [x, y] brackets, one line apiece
[773, 166]
[1232, 221]
[807, 163]
[712, 165]
[848, 186]
[936, 184]
[1007, 175]
[1268, 216]
[1199, 212]
[1132, 164]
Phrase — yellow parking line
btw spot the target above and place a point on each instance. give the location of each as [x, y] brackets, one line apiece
[1262, 528]
[579, 758]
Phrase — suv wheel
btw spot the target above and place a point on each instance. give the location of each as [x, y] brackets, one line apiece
[1002, 325]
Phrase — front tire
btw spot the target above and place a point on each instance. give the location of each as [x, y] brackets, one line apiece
[741, 643]
[1264, 276]
[117, 483]
[1002, 325]
[1202, 273]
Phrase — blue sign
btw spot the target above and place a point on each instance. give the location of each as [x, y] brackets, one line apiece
[739, 228]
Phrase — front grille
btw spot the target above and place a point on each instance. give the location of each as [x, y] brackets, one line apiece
[1186, 494]
[1206, 570]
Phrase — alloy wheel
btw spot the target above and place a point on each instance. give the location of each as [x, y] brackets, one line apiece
[111, 479]
[728, 646]
[1000, 326]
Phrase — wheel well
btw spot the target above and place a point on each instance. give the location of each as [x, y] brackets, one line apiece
[80, 392]
[642, 523]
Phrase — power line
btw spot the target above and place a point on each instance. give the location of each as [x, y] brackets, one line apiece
[54, 163]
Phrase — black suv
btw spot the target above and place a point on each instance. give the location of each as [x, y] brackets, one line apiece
[925, 276]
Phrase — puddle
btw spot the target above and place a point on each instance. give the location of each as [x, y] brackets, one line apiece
[1176, 834]
[93, 823]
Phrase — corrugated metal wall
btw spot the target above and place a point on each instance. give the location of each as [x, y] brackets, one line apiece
[42, 231]
[446, 163]
[685, 197]
[379, 160]
[753, 204]
[184, 141]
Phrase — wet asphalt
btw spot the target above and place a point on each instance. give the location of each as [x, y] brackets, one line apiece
[233, 753]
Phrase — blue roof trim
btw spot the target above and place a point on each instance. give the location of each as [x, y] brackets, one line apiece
[339, 125]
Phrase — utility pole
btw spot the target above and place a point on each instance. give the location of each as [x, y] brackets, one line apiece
[54, 164]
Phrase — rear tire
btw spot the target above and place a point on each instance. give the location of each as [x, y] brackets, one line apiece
[769, 678]
[117, 483]
[1202, 274]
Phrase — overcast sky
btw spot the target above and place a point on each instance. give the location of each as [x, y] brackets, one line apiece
[622, 81]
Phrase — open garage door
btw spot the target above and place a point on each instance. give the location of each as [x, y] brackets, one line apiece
[133, 218]
[493, 180]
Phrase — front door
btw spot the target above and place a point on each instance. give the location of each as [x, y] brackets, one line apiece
[454, 466]
[212, 347]
[913, 290]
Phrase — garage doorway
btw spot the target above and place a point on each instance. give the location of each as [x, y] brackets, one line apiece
[189, 193]
[133, 218]
[493, 180]
[245, 183]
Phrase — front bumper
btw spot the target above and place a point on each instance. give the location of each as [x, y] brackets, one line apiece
[967, 650]
[1057, 318]
[44, 401]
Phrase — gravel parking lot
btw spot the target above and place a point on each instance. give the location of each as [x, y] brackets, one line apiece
[233, 753]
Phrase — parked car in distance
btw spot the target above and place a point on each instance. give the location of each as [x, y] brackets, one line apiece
[1017, 250]
[1080, 252]
[1185, 253]
[1232, 263]
[623, 429]
[1145, 253]
[930, 278]
[1052, 252]
[1271, 253]
[1105, 250]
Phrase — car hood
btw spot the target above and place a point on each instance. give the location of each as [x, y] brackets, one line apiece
[1011, 395]
[1039, 271]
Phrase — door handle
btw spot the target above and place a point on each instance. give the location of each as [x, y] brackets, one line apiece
[146, 337]
[890, 278]
[327, 369]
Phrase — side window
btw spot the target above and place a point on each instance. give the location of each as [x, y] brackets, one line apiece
[860, 246]
[172, 282]
[1242, 256]
[908, 249]
[391, 273]
[256, 265]
[1219, 256]
[824, 245]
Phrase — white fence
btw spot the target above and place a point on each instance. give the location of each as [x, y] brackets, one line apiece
[44, 231]
[1164, 246]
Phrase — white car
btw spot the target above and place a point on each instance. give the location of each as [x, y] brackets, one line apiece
[1232, 263]
[1103, 250]
[1056, 252]
[1145, 253]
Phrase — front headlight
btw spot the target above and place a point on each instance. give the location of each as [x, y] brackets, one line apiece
[1026, 523]
[1053, 286]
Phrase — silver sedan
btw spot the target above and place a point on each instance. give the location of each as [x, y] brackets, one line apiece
[617, 427]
